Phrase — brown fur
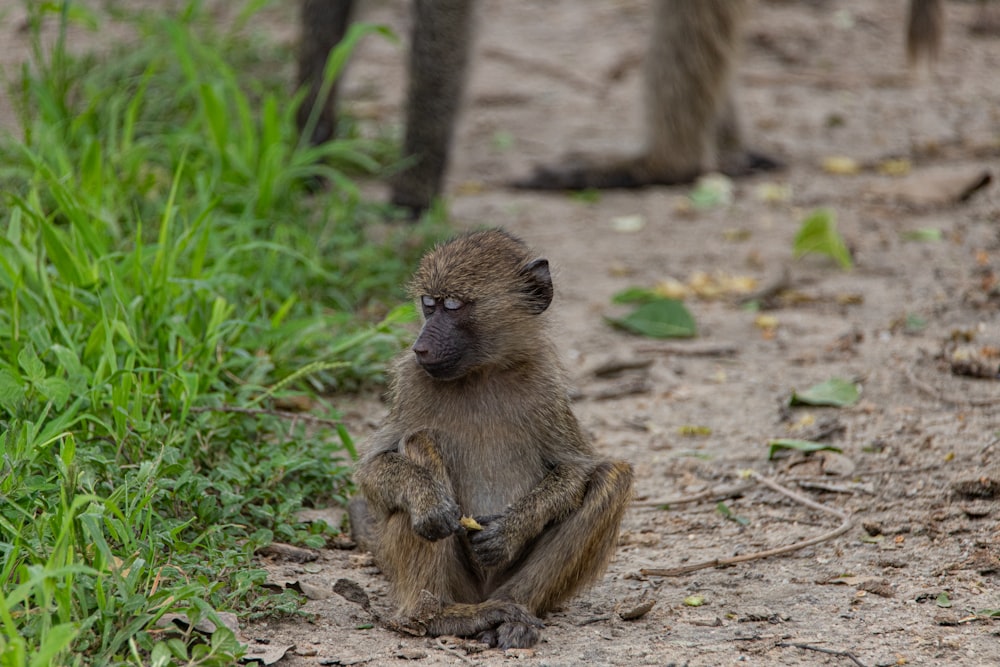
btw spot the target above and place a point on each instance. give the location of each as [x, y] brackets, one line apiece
[491, 436]
[924, 31]
[692, 117]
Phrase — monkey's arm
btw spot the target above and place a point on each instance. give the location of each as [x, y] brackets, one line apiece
[557, 496]
[411, 480]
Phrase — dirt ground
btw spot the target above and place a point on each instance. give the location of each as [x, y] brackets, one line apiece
[920, 466]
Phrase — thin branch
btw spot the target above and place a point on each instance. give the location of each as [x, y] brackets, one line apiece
[845, 525]
[715, 495]
[689, 349]
[940, 396]
[439, 643]
[829, 651]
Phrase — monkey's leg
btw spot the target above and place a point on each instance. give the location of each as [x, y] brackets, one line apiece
[924, 31]
[444, 568]
[689, 111]
[439, 53]
[322, 24]
[568, 556]
[734, 159]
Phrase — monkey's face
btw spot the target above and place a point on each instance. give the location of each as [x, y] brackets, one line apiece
[445, 346]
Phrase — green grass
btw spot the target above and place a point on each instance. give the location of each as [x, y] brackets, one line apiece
[164, 279]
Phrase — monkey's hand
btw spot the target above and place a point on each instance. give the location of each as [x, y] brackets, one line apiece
[496, 544]
[436, 516]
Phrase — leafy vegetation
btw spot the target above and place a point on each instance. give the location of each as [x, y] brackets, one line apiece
[164, 280]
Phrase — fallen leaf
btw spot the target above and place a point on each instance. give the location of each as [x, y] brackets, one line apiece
[712, 190]
[922, 234]
[723, 509]
[628, 223]
[840, 165]
[798, 445]
[896, 167]
[694, 601]
[818, 235]
[266, 654]
[662, 318]
[834, 392]
[690, 430]
[774, 193]
[766, 322]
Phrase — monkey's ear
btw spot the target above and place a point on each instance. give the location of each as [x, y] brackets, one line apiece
[538, 285]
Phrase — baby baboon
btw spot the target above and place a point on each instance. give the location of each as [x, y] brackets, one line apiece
[692, 118]
[480, 426]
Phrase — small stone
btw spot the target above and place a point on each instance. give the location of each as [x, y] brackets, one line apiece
[411, 654]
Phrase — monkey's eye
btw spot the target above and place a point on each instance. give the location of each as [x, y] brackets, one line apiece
[452, 303]
[428, 301]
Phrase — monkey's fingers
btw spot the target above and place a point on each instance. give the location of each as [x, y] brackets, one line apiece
[438, 523]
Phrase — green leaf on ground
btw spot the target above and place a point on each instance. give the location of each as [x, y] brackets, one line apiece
[943, 600]
[723, 509]
[660, 318]
[922, 234]
[636, 295]
[818, 235]
[798, 445]
[834, 392]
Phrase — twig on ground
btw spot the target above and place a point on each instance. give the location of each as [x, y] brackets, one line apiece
[616, 366]
[439, 643]
[689, 349]
[829, 651]
[832, 488]
[769, 292]
[288, 552]
[595, 619]
[940, 395]
[627, 388]
[715, 495]
[845, 525]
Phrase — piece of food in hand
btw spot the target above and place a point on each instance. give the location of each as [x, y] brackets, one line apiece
[469, 523]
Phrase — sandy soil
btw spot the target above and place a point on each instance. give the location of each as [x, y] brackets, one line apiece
[818, 79]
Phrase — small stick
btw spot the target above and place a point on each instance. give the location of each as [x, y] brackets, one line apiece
[845, 525]
[439, 642]
[829, 651]
[940, 396]
[595, 619]
[690, 349]
[708, 494]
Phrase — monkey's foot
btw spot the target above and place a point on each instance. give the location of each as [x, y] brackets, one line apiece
[511, 635]
[578, 173]
[477, 619]
[750, 162]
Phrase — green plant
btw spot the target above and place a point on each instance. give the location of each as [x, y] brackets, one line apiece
[164, 279]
